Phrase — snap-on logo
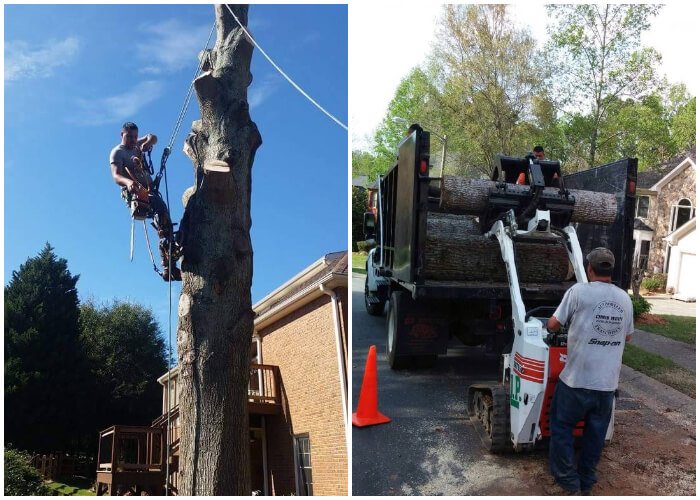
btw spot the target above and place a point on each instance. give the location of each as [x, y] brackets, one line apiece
[562, 357]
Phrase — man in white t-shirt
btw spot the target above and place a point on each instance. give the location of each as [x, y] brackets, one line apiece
[600, 319]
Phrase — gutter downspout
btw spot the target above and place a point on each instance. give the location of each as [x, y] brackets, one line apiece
[341, 363]
[258, 352]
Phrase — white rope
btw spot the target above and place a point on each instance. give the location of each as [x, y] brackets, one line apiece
[188, 97]
[281, 72]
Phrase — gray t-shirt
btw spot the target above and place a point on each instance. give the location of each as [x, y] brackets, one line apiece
[121, 157]
[599, 315]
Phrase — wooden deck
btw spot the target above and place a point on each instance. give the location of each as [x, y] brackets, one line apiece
[132, 459]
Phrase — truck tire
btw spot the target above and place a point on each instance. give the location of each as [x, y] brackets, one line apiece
[396, 362]
[373, 308]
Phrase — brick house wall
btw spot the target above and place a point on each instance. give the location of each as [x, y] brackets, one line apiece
[303, 345]
[660, 209]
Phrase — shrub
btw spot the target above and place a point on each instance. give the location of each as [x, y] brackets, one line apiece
[655, 282]
[21, 478]
[640, 305]
[363, 246]
[359, 207]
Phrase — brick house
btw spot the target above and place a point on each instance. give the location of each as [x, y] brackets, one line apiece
[297, 397]
[664, 228]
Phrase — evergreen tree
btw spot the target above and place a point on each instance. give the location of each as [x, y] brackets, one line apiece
[45, 377]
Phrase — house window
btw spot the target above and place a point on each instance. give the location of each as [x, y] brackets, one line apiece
[643, 206]
[681, 213]
[304, 477]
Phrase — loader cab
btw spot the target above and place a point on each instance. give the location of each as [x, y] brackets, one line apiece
[528, 171]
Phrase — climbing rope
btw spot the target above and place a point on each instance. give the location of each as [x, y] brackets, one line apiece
[281, 72]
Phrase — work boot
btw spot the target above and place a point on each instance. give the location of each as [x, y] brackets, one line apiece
[175, 274]
[556, 489]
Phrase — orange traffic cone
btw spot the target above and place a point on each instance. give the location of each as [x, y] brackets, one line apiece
[367, 412]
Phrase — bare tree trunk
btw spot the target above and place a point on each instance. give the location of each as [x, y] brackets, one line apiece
[455, 250]
[215, 315]
[637, 277]
[470, 196]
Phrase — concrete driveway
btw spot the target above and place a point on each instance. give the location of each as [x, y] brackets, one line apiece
[664, 304]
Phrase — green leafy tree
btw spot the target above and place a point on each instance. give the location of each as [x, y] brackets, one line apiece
[489, 81]
[600, 61]
[636, 129]
[359, 207]
[126, 354]
[413, 102]
[21, 478]
[46, 379]
[366, 163]
[683, 126]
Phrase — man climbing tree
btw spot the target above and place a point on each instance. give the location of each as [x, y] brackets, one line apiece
[215, 323]
[129, 171]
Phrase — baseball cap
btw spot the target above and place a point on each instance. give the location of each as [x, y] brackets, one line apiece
[601, 258]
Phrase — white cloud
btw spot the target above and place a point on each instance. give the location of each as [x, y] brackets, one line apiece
[260, 91]
[171, 46]
[117, 108]
[23, 61]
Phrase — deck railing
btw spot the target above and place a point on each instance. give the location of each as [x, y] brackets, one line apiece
[263, 386]
[131, 448]
[142, 449]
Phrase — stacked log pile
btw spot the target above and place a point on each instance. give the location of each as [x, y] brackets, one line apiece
[459, 195]
[457, 251]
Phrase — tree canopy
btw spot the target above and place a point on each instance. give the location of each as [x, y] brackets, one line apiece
[71, 369]
[44, 362]
[593, 94]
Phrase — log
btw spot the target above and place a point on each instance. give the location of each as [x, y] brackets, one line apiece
[455, 250]
[459, 195]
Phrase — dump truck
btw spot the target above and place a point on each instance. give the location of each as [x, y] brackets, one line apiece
[487, 261]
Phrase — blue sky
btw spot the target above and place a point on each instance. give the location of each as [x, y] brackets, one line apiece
[74, 74]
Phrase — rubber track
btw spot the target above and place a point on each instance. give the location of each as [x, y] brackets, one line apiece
[500, 420]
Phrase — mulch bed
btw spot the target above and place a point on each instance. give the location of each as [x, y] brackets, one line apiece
[650, 319]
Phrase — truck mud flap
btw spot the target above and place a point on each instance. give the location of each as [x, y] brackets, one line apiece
[422, 327]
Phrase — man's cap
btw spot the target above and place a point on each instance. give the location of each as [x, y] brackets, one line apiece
[602, 258]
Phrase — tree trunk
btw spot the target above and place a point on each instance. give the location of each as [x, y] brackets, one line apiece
[455, 250]
[470, 196]
[215, 324]
[637, 277]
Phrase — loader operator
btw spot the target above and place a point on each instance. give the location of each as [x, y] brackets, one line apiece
[127, 165]
[600, 319]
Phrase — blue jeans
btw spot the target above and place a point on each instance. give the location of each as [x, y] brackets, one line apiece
[569, 406]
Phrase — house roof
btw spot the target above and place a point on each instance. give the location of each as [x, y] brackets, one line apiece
[682, 231]
[654, 175]
[360, 181]
[330, 270]
[640, 226]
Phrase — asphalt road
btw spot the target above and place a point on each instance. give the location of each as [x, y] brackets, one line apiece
[429, 447]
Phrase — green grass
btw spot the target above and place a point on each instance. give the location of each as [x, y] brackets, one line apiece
[662, 369]
[75, 486]
[681, 328]
[358, 262]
